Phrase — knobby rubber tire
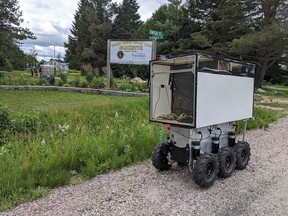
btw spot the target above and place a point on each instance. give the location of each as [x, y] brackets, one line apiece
[159, 157]
[227, 162]
[242, 150]
[205, 170]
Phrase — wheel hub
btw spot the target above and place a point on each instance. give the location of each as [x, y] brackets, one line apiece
[243, 155]
[209, 170]
[228, 162]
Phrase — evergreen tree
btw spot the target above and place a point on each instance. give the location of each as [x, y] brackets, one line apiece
[11, 57]
[100, 30]
[90, 30]
[127, 20]
[10, 20]
[79, 38]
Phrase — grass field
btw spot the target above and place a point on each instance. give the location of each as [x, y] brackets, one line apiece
[48, 138]
[54, 136]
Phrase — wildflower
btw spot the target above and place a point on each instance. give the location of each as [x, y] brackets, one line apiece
[116, 115]
[63, 128]
[43, 142]
[107, 127]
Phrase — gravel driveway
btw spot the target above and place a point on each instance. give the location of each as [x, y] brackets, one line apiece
[261, 189]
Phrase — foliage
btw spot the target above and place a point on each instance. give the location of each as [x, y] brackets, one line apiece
[263, 118]
[51, 80]
[11, 56]
[5, 121]
[255, 31]
[31, 57]
[87, 139]
[98, 82]
[75, 82]
[63, 77]
[132, 88]
[93, 18]
[89, 77]
[127, 20]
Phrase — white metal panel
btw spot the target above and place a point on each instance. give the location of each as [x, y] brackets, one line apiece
[223, 98]
[161, 100]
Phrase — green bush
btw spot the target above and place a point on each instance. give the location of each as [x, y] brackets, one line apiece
[75, 82]
[59, 82]
[262, 119]
[98, 82]
[51, 80]
[63, 77]
[83, 84]
[129, 87]
[42, 81]
[89, 76]
[21, 81]
[24, 123]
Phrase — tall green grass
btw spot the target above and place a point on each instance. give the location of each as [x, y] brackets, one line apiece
[71, 139]
[51, 136]
[262, 119]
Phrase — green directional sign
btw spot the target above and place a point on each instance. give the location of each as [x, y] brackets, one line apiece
[155, 34]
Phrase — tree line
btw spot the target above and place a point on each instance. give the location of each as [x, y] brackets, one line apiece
[254, 31]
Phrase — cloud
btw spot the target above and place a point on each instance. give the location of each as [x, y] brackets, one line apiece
[51, 21]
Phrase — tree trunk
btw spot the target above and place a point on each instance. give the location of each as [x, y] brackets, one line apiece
[260, 74]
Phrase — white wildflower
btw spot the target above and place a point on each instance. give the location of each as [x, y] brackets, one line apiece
[43, 142]
[116, 115]
[107, 127]
[63, 128]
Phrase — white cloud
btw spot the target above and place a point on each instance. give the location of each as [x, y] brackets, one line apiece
[51, 21]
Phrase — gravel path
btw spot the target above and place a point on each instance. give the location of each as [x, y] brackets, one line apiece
[261, 189]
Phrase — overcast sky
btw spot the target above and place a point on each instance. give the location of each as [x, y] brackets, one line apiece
[51, 21]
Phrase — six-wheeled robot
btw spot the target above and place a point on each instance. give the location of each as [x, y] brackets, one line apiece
[199, 98]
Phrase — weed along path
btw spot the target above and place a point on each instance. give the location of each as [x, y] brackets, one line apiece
[261, 189]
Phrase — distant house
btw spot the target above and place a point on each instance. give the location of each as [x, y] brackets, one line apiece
[63, 66]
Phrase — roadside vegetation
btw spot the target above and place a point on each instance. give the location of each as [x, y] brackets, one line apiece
[50, 139]
[71, 78]
[59, 138]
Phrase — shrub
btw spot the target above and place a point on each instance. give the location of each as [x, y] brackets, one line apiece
[21, 81]
[75, 82]
[63, 77]
[99, 82]
[42, 81]
[59, 82]
[51, 80]
[24, 123]
[85, 69]
[89, 76]
[83, 84]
